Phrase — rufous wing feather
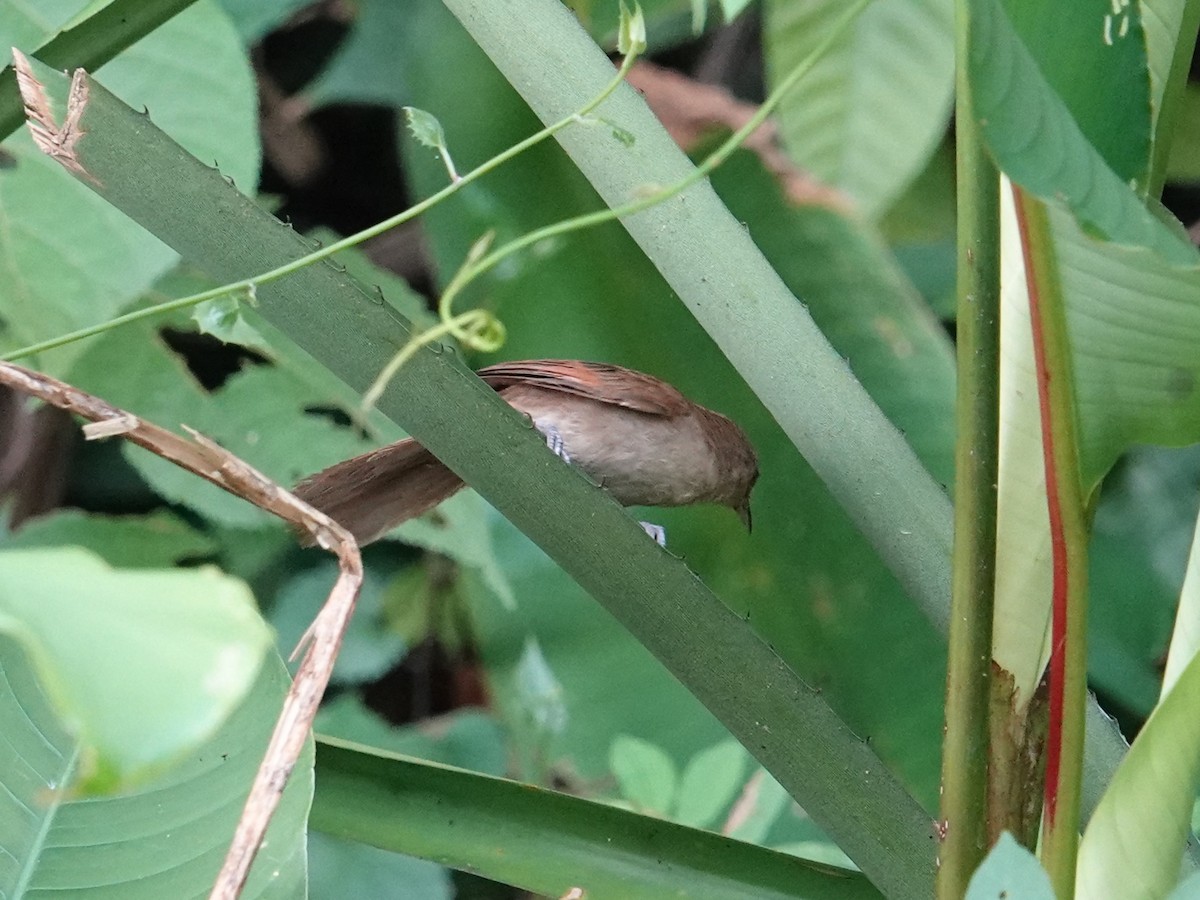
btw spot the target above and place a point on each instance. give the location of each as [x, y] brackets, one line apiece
[596, 381]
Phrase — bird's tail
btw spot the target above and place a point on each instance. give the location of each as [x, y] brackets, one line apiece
[371, 494]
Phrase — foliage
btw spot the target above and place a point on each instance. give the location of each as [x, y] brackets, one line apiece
[801, 661]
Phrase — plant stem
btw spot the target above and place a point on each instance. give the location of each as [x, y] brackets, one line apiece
[1068, 540]
[968, 681]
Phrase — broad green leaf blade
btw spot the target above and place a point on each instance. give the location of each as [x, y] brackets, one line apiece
[1134, 322]
[1094, 59]
[142, 665]
[165, 839]
[1010, 871]
[77, 261]
[1038, 144]
[156, 540]
[543, 841]
[1132, 847]
[872, 111]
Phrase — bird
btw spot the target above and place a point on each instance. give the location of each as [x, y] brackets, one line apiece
[637, 436]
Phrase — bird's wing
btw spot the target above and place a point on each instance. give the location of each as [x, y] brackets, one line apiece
[597, 381]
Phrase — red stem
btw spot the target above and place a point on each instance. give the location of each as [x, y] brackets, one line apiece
[1058, 543]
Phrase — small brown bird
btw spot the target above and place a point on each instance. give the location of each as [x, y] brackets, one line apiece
[637, 436]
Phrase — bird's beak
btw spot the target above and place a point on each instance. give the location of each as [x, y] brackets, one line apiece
[743, 511]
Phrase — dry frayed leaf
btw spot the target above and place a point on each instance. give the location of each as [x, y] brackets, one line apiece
[690, 111]
[324, 637]
[58, 143]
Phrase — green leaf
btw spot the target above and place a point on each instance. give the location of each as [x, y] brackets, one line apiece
[142, 665]
[370, 648]
[20, 27]
[547, 842]
[709, 782]
[460, 530]
[1133, 848]
[1134, 319]
[765, 801]
[466, 738]
[254, 19]
[872, 111]
[365, 67]
[222, 318]
[1010, 870]
[539, 692]
[425, 128]
[156, 540]
[164, 839]
[76, 262]
[1038, 144]
[340, 868]
[644, 772]
[609, 683]
[1111, 103]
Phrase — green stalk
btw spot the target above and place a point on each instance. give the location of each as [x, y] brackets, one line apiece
[963, 828]
[1069, 537]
